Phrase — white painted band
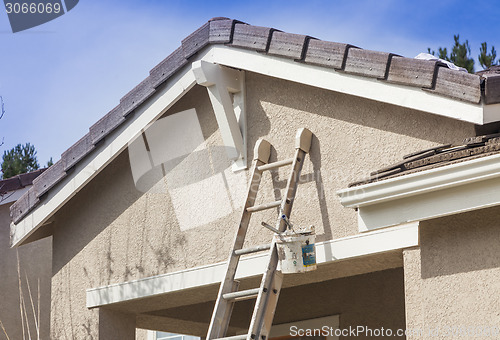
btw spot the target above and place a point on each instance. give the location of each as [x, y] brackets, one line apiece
[344, 248]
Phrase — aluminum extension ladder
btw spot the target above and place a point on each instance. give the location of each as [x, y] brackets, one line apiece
[268, 292]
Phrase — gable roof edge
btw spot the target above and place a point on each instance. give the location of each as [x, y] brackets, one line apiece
[356, 85]
[104, 153]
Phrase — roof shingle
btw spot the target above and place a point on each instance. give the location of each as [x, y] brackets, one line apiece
[412, 72]
[326, 53]
[287, 45]
[251, 37]
[19, 181]
[106, 124]
[457, 84]
[136, 96]
[473, 147]
[233, 33]
[167, 67]
[76, 152]
[367, 63]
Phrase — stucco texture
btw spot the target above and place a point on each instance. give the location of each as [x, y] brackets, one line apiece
[112, 232]
[35, 263]
[451, 281]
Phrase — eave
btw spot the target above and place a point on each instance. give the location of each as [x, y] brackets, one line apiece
[450, 189]
[93, 152]
[359, 86]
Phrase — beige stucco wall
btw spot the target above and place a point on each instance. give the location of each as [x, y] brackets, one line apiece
[452, 280]
[111, 232]
[35, 263]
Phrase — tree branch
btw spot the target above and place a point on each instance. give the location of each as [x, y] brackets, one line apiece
[2, 107]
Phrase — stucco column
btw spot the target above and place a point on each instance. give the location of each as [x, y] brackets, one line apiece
[116, 325]
[451, 281]
[413, 292]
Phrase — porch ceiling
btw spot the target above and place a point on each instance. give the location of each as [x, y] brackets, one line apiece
[300, 298]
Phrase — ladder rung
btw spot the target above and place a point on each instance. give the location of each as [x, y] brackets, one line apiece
[252, 249]
[275, 165]
[235, 337]
[242, 295]
[265, 206]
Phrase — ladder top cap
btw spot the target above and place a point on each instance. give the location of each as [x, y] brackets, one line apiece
[303, 139]
[262, 151]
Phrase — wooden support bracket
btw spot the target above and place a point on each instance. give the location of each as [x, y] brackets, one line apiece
[226, 89]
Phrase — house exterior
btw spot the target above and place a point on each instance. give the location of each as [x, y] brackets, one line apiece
[30, 264]
[143, 209]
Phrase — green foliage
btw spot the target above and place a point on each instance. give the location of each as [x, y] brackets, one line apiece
[461, 55]
[487, 59]
[442, 53]
[18, 160]
[50, 162]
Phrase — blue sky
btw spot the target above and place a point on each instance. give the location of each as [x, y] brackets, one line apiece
[59, 78]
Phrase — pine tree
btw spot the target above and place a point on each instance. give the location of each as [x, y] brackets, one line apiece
[487, 59]
[460, 54]
[18, 160]
[442, 53]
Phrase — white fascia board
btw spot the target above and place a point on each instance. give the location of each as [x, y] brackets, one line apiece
[445, 202]
[491, 113]
[451, 189]
[12, 196]
[447, 176]
[110, 148]
[329, 79]
[375, 242]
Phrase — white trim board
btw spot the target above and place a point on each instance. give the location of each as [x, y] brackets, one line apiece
[451, 189]
[329, 79]
[344, 248]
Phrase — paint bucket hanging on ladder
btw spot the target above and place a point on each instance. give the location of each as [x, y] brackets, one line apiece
[296, 250]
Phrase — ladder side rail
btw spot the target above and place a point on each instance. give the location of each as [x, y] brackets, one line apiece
[292, 184]
[271, 282]
[222, 310]
[262, 307]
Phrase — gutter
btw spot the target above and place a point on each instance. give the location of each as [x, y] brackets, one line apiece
[447, 190]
